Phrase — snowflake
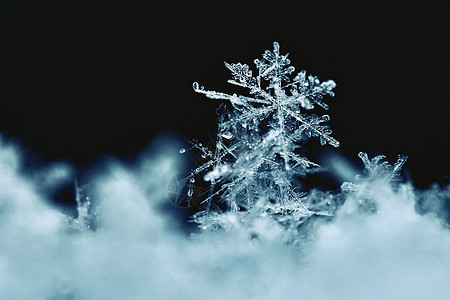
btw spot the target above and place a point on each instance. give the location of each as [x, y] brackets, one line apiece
[378, 174]
[376, 169]
[273, 101]
[256, 159]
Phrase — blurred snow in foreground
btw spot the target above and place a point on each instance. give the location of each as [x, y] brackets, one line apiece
[135, 252]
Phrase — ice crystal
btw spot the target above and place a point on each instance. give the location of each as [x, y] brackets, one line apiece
[255, 162]
[377, 173]
[86, 215]
[376, 169]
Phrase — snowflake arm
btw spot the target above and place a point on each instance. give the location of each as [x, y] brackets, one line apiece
[310, 91]
[310, 124]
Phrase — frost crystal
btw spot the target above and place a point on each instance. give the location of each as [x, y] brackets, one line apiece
[86, 215]
[256, 158]
[377, 173]
[376, 169]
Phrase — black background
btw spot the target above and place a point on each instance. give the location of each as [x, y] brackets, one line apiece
[83, 79]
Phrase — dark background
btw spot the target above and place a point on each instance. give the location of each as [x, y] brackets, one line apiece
[83, 79]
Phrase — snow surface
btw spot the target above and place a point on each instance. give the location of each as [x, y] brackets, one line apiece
[136, 252]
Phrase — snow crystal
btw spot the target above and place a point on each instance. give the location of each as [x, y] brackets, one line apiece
[256, 153]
